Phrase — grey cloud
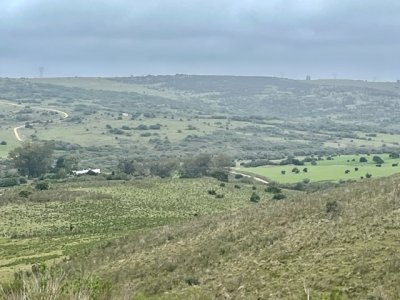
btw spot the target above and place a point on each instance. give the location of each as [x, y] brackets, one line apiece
[70, 37]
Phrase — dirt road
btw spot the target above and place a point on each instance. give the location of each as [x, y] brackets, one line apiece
[63, 114]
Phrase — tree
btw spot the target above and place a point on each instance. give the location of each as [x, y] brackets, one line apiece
[127, 166]
[163, 168]
[33, 159]
[197, 166]
[363, 159]
[295, 170]
[222, 161]
[65, 164]
[378, 160]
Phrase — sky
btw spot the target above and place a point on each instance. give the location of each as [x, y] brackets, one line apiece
[357, 39]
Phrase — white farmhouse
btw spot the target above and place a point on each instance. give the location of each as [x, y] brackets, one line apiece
[86, 171]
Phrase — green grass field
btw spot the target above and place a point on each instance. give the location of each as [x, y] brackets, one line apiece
[329, 170]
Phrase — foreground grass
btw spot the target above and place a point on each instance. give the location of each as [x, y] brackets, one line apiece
[51, 224]
[341, 243]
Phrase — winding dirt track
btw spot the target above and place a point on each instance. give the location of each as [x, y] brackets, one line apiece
[15, 129]
[63, 114]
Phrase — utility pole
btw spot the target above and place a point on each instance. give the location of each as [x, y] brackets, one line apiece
[41, 71]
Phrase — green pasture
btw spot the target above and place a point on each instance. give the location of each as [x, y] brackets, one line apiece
[7, 135]
[329, 170]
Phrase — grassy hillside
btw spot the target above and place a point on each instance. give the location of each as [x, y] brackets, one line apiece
[39, 226]
[341, 243]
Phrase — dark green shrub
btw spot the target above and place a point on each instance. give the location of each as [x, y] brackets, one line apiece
[279, 196]
[222, 184]
[377, 159]
[220, 175]
[237, 186]
[24, 194]
[332, 208]
[273, 189]
[7, 182]
[192, 280]
[219, 196]
[41, 186]
[238, 176]
[212, 192]
[254, 197]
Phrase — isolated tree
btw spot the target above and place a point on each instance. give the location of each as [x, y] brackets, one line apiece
[254, 197]
[295, 170]
[33, 159]
[378, 159]
[363, 159]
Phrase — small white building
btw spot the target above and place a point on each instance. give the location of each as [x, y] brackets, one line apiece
[86, 171]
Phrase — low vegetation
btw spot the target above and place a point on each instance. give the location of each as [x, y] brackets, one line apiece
[341, 243]
[40, 222]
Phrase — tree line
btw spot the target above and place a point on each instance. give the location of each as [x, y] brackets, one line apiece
[35, 159]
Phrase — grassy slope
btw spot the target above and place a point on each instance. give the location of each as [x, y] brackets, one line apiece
[39, 228]
[328, 170]
[273, 250]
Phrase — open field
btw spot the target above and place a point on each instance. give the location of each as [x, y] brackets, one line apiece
[329, 170]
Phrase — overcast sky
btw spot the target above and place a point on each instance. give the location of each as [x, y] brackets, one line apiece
[286, 38]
